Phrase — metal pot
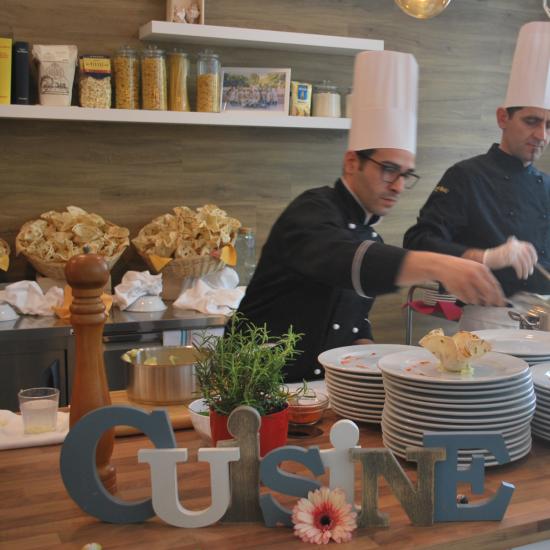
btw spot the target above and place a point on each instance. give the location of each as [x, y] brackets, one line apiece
[537, 318]
[162, 375]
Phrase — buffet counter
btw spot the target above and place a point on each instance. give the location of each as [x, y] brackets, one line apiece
[39, 351]
[36, 511]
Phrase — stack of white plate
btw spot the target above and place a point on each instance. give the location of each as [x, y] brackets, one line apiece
[354, 381]
[532, 346]
[496, 395]
[540, 425]
[430, 297]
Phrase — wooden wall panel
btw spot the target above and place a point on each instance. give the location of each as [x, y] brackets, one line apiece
[130, 173]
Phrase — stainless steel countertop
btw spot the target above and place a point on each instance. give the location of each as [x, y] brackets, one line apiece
[29, 326]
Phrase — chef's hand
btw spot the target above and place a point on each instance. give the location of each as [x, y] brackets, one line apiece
[470, 281]
[520, 255]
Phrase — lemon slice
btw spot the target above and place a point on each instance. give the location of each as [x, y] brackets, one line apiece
[228, 255]
[159, 262]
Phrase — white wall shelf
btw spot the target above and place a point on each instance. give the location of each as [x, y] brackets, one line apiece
[170, 117]
[211, 35]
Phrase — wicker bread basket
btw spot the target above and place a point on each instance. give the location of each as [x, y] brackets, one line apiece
[56, 270]
[181, 268]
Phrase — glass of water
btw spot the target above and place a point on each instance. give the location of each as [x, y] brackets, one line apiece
[39, 409]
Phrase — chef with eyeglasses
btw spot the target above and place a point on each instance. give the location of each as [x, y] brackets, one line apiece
[324, 260]
[495, 208]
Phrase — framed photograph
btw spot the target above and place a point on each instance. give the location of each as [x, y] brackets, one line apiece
[254, 90]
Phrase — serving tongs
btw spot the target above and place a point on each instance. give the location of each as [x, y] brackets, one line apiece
[532, 311]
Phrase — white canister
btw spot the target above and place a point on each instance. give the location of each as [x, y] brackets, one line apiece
[326, 100]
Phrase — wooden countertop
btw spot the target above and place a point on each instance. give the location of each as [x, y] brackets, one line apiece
[36, 512]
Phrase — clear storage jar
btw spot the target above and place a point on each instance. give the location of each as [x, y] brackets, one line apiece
[154, 95]
[126, 72]
[178, 69]
[246, 254]
[326, 100]
[208, 82]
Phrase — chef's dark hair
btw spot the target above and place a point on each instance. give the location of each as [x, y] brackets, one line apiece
[364, 154]
[512, 110]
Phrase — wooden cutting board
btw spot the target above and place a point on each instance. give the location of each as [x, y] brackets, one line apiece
[179, 414]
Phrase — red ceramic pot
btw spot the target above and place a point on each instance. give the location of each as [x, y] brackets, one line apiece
[273, 429]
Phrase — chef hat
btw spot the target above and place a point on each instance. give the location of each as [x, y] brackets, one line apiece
[384, 101]
[529, 84]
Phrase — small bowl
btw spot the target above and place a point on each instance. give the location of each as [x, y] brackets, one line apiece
[7, 313]
[201, 422]
[147, 303]
[307, 411]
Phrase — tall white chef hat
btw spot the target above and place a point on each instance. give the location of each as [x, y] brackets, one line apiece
[529, 84]
[384, 101]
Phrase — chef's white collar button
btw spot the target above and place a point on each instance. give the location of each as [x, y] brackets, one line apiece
[352, 225]
[317, 371]
[335, 326]
[355, 330]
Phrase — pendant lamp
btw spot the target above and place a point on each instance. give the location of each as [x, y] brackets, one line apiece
[423, 9]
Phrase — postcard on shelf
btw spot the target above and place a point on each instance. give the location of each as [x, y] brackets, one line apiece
[255, 90]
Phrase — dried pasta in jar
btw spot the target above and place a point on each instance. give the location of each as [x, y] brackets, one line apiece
[208, 82]
[178, 67]
[126, 72]
[153, 80]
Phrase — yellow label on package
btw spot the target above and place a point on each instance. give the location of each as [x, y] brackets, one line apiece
[300, 99]
[5, 71]
[95, 64]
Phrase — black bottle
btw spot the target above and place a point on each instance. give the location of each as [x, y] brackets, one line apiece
[20, 77]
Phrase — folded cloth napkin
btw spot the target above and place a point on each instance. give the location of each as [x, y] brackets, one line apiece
[136, 284]
[64, 311]
[215, 293]
[12, 436]
[29, 299]
[447, 309]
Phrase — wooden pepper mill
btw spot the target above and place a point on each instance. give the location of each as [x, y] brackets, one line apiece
[87, 274]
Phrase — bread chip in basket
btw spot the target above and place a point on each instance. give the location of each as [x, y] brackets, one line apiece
[49, 242]
[188, 243]
[4, 255]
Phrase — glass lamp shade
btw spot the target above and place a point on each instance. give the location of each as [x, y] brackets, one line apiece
[423, 9]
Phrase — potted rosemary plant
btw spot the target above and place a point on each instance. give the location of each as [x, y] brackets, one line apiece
[245, 367]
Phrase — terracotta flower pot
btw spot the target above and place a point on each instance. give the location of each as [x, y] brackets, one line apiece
[273, 430]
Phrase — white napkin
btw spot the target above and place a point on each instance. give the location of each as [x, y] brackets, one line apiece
[29, 299]
[216, 293]
[12, 436]
[136, 284]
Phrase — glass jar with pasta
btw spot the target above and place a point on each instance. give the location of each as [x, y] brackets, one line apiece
[208, 82]
[178, 67]
[154, 95]
[126, 72]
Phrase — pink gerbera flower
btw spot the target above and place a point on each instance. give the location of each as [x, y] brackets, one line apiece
[322, 516]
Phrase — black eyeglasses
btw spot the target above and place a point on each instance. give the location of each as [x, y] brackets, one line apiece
[392, 172]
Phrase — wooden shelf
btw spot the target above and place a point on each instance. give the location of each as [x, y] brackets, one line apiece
[171, 117]
[211, 35]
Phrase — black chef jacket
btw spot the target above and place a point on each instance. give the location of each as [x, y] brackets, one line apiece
[304, 276]
[482, 201]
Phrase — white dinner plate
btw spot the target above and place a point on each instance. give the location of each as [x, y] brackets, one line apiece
[358, 407]
[355, 379]
[354, 395]
[516, 341]
[422, 365]
[541, 376]
[465, 408]
[361, 359]
[448, 393]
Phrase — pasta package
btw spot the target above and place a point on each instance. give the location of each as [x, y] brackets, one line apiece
[300, 99]
[455, 353]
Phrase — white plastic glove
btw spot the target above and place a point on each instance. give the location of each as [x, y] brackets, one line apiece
[520, 255]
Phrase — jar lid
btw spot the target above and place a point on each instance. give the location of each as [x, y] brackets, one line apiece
[208, 53]
[152, 51]
[325, 86]
[126, 51]
[177, 51]
[245, 230]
